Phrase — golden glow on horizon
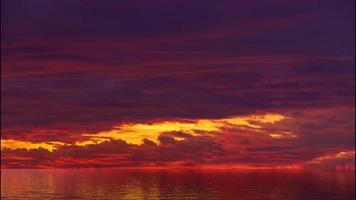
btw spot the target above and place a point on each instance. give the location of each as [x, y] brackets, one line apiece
[283, 135]
[135, 133]
[92, 141]
[15, 144]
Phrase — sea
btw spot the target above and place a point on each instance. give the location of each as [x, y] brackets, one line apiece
[156, 184]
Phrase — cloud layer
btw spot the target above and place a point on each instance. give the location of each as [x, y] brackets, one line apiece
[71, 70]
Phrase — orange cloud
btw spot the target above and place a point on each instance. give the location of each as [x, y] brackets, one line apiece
[340, 160]
[135, 133]
[15, 144]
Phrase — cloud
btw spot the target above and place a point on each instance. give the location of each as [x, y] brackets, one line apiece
[73, 69]
[341, 160]
[242, 141]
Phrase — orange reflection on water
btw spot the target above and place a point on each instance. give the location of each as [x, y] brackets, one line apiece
[177, 184]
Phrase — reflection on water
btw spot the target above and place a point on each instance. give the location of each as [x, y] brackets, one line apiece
[168, 184]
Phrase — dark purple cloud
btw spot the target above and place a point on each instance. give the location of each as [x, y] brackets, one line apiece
[70, 67]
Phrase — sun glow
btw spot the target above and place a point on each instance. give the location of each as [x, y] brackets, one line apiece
[282, 135]
[15, 144]
[135, 133]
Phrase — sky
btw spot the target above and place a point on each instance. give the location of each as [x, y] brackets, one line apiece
[177, 83]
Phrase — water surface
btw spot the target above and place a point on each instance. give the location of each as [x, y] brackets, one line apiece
[103, 184]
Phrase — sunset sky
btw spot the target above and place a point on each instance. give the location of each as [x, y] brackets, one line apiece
[177, 83]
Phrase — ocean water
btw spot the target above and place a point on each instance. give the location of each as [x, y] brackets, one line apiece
[28, 184]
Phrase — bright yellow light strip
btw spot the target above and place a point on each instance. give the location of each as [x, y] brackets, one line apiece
[135, 133]
[282, 135]
[15, 144]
